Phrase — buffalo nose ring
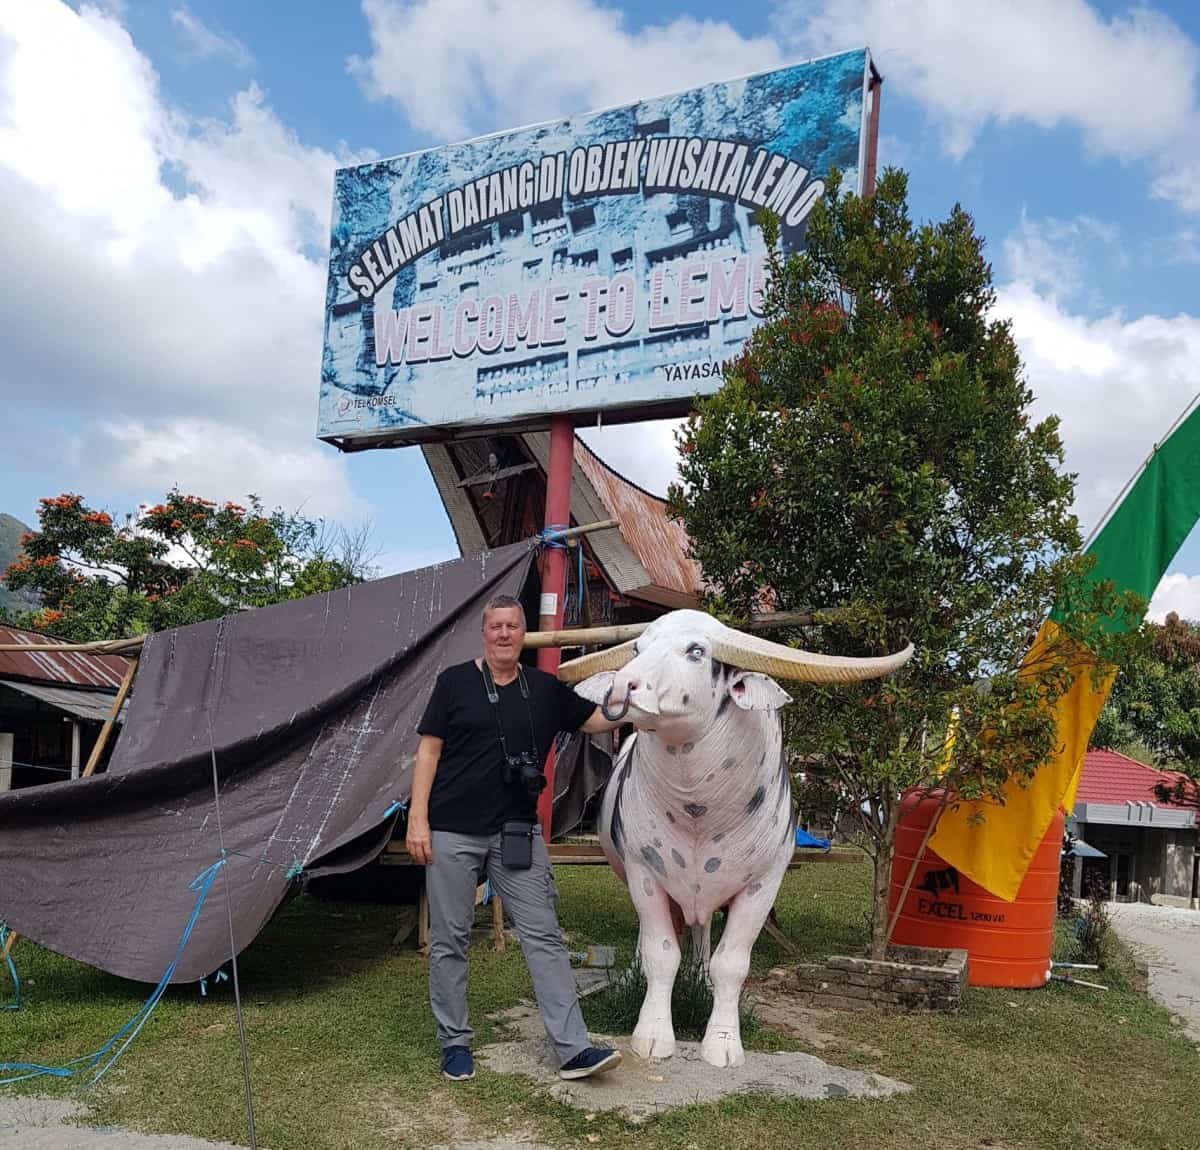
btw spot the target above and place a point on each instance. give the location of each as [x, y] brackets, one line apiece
[614, 716]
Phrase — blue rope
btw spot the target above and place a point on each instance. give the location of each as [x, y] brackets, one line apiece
[549, 535]
[120, 1041]
[398, 805]
[221, 976]
[12, 971]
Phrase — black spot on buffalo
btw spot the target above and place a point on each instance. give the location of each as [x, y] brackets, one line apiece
[677, 857]
[728, 763]
[688, 748]
[672, 750]
[712, 866]
[726, 699]
[685, 698]
[657, 841]
[654, 859]
[717, 668]
[696, 887]
[670, 817]
[718, 838]
[648, 885]
[756, 800]
[666, 944]
[753, 888]
[695, 809]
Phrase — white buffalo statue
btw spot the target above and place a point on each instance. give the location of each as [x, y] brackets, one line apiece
[698, 812]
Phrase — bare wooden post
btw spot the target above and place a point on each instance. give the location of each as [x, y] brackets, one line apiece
[111, 721]
[75, 748]
[6, 761]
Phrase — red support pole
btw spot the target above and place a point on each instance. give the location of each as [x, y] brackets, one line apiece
[554, 571]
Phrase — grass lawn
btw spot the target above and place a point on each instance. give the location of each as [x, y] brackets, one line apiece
[342, 1052]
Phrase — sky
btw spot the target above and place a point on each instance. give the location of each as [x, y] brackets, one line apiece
[166, 188]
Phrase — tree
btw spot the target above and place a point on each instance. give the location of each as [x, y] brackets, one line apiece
[180, 561]
[1153, 712]
[872, 451]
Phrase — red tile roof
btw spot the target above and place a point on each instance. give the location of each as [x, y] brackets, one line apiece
[1110, 777]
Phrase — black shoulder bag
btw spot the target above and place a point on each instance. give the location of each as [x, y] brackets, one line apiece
[516, 835]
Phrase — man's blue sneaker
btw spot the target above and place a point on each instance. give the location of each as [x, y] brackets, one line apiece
[593, 1060]
[457, 1063]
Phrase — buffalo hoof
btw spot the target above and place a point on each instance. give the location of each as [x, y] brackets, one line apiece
[722, 1047]
[653, 1042]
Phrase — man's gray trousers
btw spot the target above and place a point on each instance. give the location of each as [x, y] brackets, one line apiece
[531, 901]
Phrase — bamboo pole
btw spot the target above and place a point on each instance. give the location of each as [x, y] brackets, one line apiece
[585, 529]
[912, 870]
[111, 721]
[106, 647]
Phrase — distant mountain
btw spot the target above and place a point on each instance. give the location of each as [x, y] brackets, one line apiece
[11, 530]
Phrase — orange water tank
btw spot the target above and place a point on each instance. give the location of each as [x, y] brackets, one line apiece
[1007, 943]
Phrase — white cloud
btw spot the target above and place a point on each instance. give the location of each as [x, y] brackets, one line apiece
[462, 66]
[1182, 183]
[1127, 82]
[1052, 254]
[212, 459]
[164, 285]
[208, 44]
[1118, 384]
[1179, 593]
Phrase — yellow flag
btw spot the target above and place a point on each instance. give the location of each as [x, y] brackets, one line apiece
[1132, 550]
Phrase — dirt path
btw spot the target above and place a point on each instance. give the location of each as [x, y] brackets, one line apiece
[48, 1124]
[1167, 939]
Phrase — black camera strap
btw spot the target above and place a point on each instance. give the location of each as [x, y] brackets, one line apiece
[494, 698]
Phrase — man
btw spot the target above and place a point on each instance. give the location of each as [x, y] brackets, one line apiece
[484, 737]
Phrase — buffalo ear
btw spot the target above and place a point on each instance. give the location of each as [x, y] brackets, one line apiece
[594, 687]
[755, 692]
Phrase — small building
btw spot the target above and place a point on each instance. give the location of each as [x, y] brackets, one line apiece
[52, 706]
[1150, 846]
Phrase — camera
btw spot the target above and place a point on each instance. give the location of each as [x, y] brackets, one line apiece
[524, 770]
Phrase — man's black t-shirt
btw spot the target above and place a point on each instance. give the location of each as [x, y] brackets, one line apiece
[469, 794]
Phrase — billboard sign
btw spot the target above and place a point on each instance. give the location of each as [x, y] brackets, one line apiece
[602, 263]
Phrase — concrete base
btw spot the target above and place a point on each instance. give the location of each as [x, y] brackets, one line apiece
[640, 1090]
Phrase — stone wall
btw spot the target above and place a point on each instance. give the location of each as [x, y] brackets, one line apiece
[912, 978]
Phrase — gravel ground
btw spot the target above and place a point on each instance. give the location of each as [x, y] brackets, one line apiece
[1167, 940]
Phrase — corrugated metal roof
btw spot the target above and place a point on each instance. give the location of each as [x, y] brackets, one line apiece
[73, 667]
[645, 559]
[1110, 777]
[660, 543]
[82, 702]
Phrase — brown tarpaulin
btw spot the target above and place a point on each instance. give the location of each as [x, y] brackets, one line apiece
[310, 707]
